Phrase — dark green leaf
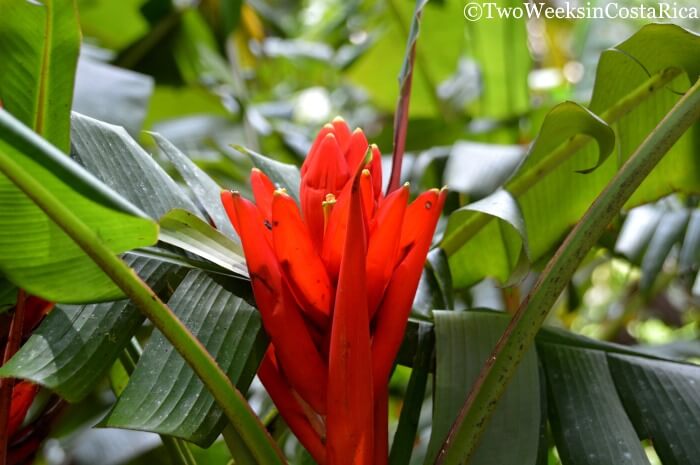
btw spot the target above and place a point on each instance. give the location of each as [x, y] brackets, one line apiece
[662, 401]
[164, 395]
[75, 345]
[114, 157]
[583, 404]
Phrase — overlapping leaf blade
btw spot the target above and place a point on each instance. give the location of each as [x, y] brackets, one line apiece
[583, 405]
[662, 401]
[164, 395]
[111, 154]
[74, 347]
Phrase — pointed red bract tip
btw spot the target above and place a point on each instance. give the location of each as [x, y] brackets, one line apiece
[356, 149]
[342, 133]
[262, 188]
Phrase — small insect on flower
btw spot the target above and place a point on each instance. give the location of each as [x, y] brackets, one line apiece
[334, 282]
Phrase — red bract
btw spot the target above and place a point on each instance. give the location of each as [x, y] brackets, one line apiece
[334, 283]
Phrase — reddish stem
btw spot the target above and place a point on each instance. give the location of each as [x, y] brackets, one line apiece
[401, 124]
[14, 339]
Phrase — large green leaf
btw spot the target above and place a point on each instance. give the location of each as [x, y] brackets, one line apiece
[164, 395]
[591, 387]
[584, 403]
[663, 402]
[463, 342]
[37, 255]
[39, 43]
[75, 345]
[112, 155]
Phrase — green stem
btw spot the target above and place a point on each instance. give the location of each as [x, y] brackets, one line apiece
[239, 452]
[520, 334]
[233, 404]
[523, 182]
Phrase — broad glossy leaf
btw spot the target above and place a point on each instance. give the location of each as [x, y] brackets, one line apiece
[39, 43]
[662, 400]
[464, 341]
[206, 191]
[164, 395]
[75, 345]
[112, 95]
[654, 48]
[185, 230]
[35, 253]
[110, 153]
[584, 403]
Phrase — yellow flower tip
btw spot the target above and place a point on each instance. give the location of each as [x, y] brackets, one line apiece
[235, 193]
[365, 172]
[255, 170]
[330, 135]
[357, 131]
[338, 119]
[328, 126]
[280, 191]
[443, 189]
[330, 197]
[434, 190]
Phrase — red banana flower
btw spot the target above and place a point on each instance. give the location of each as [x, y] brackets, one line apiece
[334, 283]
